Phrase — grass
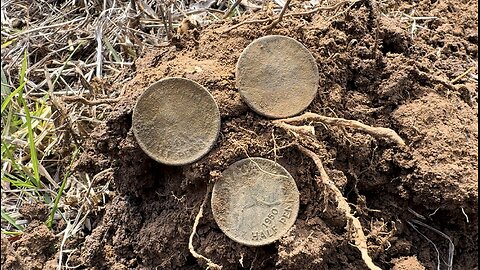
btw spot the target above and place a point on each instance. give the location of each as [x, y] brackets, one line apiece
[21, 130]
[58, 51]
[61, 49]
[10, 220]
[60, 190]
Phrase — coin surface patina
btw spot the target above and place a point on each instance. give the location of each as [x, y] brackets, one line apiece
[176, 121]
[277, 76]
[255, 201]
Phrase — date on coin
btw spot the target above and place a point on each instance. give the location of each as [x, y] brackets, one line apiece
[255, 201]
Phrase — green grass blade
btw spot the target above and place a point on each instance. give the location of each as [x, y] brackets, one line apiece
[112, 50]
[60, 191]
[10, 220]
[65, 64]
[11, 233]
[31, 143]
[7, 100]
[23, 71]
[7, 123]
[7, 43]
[31, 140]
[5, 86]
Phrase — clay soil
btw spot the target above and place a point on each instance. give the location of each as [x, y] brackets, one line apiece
[372, 69]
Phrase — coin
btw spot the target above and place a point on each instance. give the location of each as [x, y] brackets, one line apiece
[255, 201]
[176, 121]
[277, 76]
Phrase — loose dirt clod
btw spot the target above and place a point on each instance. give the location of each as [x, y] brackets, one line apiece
[407, 263]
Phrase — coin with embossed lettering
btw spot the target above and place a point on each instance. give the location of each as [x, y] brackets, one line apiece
[255, 201]
[277, 76]
[176, 121]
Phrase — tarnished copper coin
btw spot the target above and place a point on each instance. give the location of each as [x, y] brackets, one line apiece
[255, 201]
[176, 121]
[277, 76]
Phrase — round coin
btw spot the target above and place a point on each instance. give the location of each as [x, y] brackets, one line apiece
[255, 201]
[176, 121]
[277, 76]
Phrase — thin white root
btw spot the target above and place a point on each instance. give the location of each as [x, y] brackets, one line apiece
[378, 132]
[210, 264]
[359, 237]
[296, 130]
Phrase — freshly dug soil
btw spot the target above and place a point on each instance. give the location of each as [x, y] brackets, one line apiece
[371, 70]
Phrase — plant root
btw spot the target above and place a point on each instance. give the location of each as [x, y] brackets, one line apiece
[210, 264]
[360, 240]
[378, 132]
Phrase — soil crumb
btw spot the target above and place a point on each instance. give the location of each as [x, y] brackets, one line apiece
[407, 263]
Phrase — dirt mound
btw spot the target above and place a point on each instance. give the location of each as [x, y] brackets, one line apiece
[371, 70]
[391, 81]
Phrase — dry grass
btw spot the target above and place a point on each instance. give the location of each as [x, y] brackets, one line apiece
[59, 62]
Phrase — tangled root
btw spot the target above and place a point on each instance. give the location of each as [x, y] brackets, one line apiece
[377, 132]
[359, 238]
[306, 133]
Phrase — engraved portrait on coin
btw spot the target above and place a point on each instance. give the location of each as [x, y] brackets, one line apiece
[255, 202]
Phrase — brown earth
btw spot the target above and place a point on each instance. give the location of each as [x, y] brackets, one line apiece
[382, 78]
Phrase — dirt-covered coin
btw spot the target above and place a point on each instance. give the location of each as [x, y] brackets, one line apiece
[176, 121]
[277, 76]
[255, 201]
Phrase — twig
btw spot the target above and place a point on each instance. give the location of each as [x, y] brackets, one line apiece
[294, 14]
[99, 56]
[90, 102]
[466, 217]
[237, 2]
[295, 130]
[246, 22]
[380, 132]
[359, 237]
[462, 75]
[280, 16]
[337, 5]
[416, 214]
[198, 256]
[45, 27]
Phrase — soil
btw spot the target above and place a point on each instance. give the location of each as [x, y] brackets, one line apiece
[372, 70]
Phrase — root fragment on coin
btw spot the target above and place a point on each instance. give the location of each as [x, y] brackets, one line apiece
[255, 202]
